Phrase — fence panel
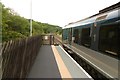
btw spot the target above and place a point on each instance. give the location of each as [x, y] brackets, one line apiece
[18, 56]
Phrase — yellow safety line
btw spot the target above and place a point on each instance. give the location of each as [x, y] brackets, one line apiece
[62, 68]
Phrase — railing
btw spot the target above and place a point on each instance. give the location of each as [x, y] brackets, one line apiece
[48, 39]
[18, 56]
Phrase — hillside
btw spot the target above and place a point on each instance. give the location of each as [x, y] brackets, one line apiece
[15, 26]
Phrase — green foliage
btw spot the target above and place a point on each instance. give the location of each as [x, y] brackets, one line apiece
[19, 24]
[37, 29]
[15, 26]
[10, 35]
[51, 29]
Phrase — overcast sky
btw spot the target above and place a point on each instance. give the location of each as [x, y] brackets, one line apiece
[57, 12]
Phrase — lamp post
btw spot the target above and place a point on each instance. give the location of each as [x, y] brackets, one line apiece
[31, 19]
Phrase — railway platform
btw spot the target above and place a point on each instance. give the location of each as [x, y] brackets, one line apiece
[54, 62]
[42, 57]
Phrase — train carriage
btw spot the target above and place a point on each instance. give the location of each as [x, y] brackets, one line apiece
[100, 32]
[96, 40]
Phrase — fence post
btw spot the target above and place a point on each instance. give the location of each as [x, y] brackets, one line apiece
[53, 39]
[0, 61]
[50, 39]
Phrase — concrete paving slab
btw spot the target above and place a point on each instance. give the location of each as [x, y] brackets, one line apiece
[45, 65]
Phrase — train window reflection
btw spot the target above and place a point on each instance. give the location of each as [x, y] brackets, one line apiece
[86, 39]
[76, 35]
[108, 40]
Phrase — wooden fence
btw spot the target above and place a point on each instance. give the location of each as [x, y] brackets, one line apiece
[18, 56]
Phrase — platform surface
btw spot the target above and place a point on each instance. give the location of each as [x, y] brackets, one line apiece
[54, 62]
[45, 65]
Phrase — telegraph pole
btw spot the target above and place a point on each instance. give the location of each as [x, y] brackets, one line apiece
[31, 19]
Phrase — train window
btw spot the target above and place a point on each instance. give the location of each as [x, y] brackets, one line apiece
[108, 39]
[86, 39]
[76, 35]
[65, 34]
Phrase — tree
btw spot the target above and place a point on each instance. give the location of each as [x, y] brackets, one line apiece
[37, 28]
[15, 26]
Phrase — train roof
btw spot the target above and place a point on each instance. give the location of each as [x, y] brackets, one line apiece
[115, 6]
[107, 13]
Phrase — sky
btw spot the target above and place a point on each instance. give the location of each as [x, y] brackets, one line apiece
[57, 12]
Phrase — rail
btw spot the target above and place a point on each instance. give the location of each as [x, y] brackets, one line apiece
[58, 40]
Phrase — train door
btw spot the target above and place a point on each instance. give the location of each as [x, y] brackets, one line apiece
[94, 36]
[95, 32]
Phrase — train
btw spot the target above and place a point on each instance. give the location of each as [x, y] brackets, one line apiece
[97, 38]
[100, 32]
